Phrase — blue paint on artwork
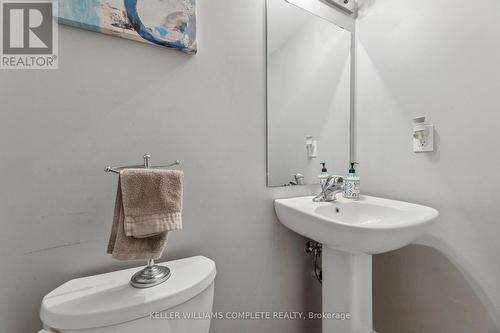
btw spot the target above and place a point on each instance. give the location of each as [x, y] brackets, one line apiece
[177, 28]
[82, 13]
[161, 31]
[144, 32]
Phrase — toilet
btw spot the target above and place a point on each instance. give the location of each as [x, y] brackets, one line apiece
[107, 303]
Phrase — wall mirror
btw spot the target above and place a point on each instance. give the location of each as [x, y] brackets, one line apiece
[309, 94]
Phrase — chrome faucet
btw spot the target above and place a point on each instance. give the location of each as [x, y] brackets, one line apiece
[298, 179]
[330, 187]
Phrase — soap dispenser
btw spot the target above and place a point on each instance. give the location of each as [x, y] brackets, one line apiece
[352, 184]
[323, 176]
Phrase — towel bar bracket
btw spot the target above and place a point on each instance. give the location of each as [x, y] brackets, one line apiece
[152, 275]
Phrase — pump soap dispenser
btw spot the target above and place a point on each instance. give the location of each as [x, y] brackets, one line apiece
[323, 176]
[352, 184]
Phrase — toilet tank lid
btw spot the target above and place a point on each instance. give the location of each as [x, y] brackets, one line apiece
[109, 299]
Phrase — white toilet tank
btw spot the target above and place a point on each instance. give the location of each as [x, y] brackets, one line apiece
[107, 303]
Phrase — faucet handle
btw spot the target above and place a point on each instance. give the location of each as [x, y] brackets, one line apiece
[335, 179]
[340, 179]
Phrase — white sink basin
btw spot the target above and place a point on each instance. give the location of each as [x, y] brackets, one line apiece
[370, 225]
[351, 231]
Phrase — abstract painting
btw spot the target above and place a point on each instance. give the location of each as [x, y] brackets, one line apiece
[168, 23]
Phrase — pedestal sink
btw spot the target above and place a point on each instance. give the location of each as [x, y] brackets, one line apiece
[351, 231]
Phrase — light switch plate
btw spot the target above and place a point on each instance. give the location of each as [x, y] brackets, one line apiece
[429, 145]
[346, 5]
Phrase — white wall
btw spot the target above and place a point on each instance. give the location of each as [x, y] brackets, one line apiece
[111, 101]
[438, 59]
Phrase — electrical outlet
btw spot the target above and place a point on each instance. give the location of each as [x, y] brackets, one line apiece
[423, 136]
[346, 5]
[423, 139]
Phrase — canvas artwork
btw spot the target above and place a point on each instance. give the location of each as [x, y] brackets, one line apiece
[168, 23]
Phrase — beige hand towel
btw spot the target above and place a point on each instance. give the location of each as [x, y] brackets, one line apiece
[152, 201]
[139, 183]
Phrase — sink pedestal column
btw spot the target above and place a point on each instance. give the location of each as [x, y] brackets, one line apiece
[347, 288]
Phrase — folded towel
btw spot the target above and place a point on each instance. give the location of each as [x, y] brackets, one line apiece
[123, 247]
[152, 201]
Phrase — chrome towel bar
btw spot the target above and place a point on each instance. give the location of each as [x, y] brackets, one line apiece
[147, 165]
